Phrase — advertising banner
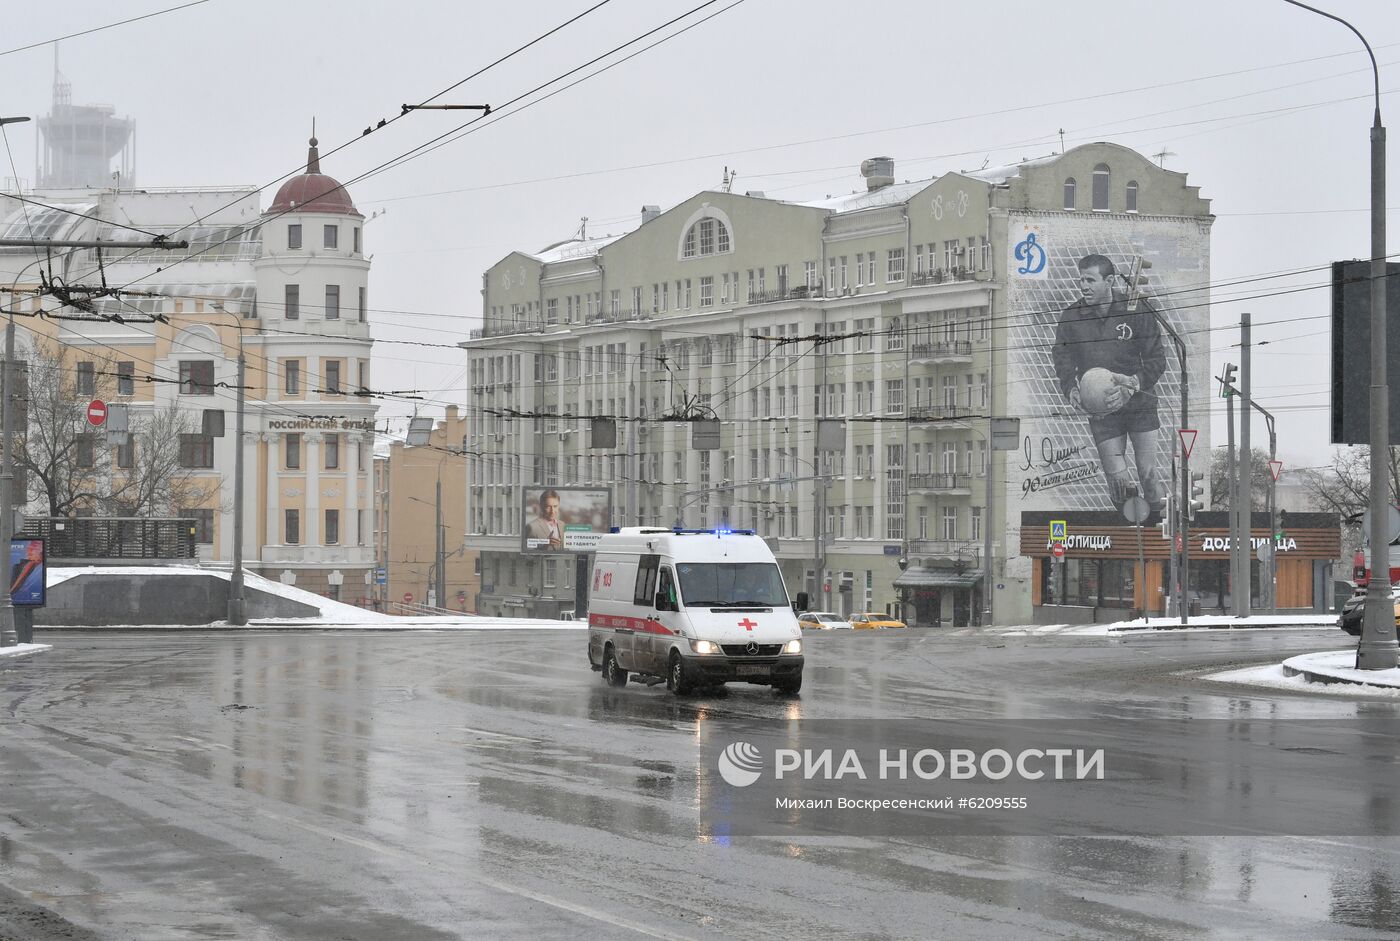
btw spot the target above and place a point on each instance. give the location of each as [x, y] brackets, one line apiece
[564, 519]
[28, 573]
[1098, 385]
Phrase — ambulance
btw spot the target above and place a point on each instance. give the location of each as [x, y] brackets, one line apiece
[693, 608]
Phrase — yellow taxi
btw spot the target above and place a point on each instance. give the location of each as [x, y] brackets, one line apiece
[872, 620]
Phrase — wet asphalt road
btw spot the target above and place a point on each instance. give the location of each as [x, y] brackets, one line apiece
[488, 785]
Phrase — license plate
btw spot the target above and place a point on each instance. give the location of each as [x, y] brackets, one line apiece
[752, 670]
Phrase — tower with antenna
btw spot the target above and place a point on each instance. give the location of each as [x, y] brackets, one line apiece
[77, 144]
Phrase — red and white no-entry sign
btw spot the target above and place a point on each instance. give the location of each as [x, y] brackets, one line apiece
[96, 412]
[408, 597]
[1058, 550]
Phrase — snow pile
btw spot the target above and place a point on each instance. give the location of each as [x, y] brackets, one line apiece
[332, 613]
[1338, 664]
[24, 650]
[1313, 620]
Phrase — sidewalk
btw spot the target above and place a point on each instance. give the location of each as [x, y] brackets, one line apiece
[1221, 622]
[1338, 666]
[1329, 672]
[24, 650]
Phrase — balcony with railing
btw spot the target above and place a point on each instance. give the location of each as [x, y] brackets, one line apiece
[941, 351]
[959, 550]
[946, 275]
[940, 483]
[795, 293]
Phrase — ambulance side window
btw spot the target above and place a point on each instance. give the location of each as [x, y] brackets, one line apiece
[644, 593]
[666, 593]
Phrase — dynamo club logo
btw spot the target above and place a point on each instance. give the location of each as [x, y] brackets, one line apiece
[1030, 256]
[740, 764]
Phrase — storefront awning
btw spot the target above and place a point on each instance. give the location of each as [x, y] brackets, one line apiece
[937, 578]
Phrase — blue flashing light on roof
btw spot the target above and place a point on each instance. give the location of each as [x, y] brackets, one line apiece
[614, 529]
[712, 532]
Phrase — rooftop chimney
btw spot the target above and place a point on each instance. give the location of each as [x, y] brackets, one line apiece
[878, 172]
[649, 213]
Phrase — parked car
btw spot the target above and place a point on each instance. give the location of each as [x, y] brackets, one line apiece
[1354, 610]
[823, 621]
[873, 620]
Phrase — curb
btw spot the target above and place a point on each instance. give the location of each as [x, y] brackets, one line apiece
[1315, 673]
[1251, 626]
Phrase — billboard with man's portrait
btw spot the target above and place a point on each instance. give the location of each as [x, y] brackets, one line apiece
[564, 519]
[1098, 380]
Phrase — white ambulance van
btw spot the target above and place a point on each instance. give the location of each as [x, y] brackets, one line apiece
[693, 607]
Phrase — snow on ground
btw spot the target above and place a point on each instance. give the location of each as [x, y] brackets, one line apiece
[24, 650]
[1367, 683]
[1217, 621]
[1152, 626]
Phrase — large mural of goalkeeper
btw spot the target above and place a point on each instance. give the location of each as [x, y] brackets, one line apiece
[1108, 357]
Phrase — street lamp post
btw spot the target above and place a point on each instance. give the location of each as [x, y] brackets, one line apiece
[1377, 649]
[237, 612]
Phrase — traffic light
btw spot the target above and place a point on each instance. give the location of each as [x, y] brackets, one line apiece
[1282, 531]
[1168, 523]
[1227, 381]
[1197, 490]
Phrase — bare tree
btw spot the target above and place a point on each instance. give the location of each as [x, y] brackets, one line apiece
[157, 483]
[1345, 486]
[1220, 479]
[65, 465]
[71, 466]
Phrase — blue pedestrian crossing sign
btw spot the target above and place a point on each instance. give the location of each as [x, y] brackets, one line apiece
[1058, 530]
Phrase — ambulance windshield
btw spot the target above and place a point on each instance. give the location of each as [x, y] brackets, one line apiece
[731, 585]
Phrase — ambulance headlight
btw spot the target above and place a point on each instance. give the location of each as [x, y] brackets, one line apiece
[704, 646]
[793, 646]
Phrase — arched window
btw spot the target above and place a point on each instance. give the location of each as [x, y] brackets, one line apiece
[1101, 179]
[1132, 196]
[1069, 194]
[708, 236]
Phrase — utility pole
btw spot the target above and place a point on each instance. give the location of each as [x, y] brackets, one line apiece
[8, 636]
[237, 615]
[1241, 547]
[438, 546]
[1232, 487]
[1270, 585]
[1377, 649]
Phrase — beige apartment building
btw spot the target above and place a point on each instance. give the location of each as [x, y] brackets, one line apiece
[898, 320]
[414, 487]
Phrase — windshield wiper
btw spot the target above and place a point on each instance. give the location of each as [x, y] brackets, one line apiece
[741, 604]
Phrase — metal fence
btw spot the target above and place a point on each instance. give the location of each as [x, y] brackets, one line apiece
[113, 537]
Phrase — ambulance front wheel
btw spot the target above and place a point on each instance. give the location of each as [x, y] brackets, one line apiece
[788, 687]
[613, 674]
[677, 680]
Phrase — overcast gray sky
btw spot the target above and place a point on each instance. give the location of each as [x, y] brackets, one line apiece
[1267, 107]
